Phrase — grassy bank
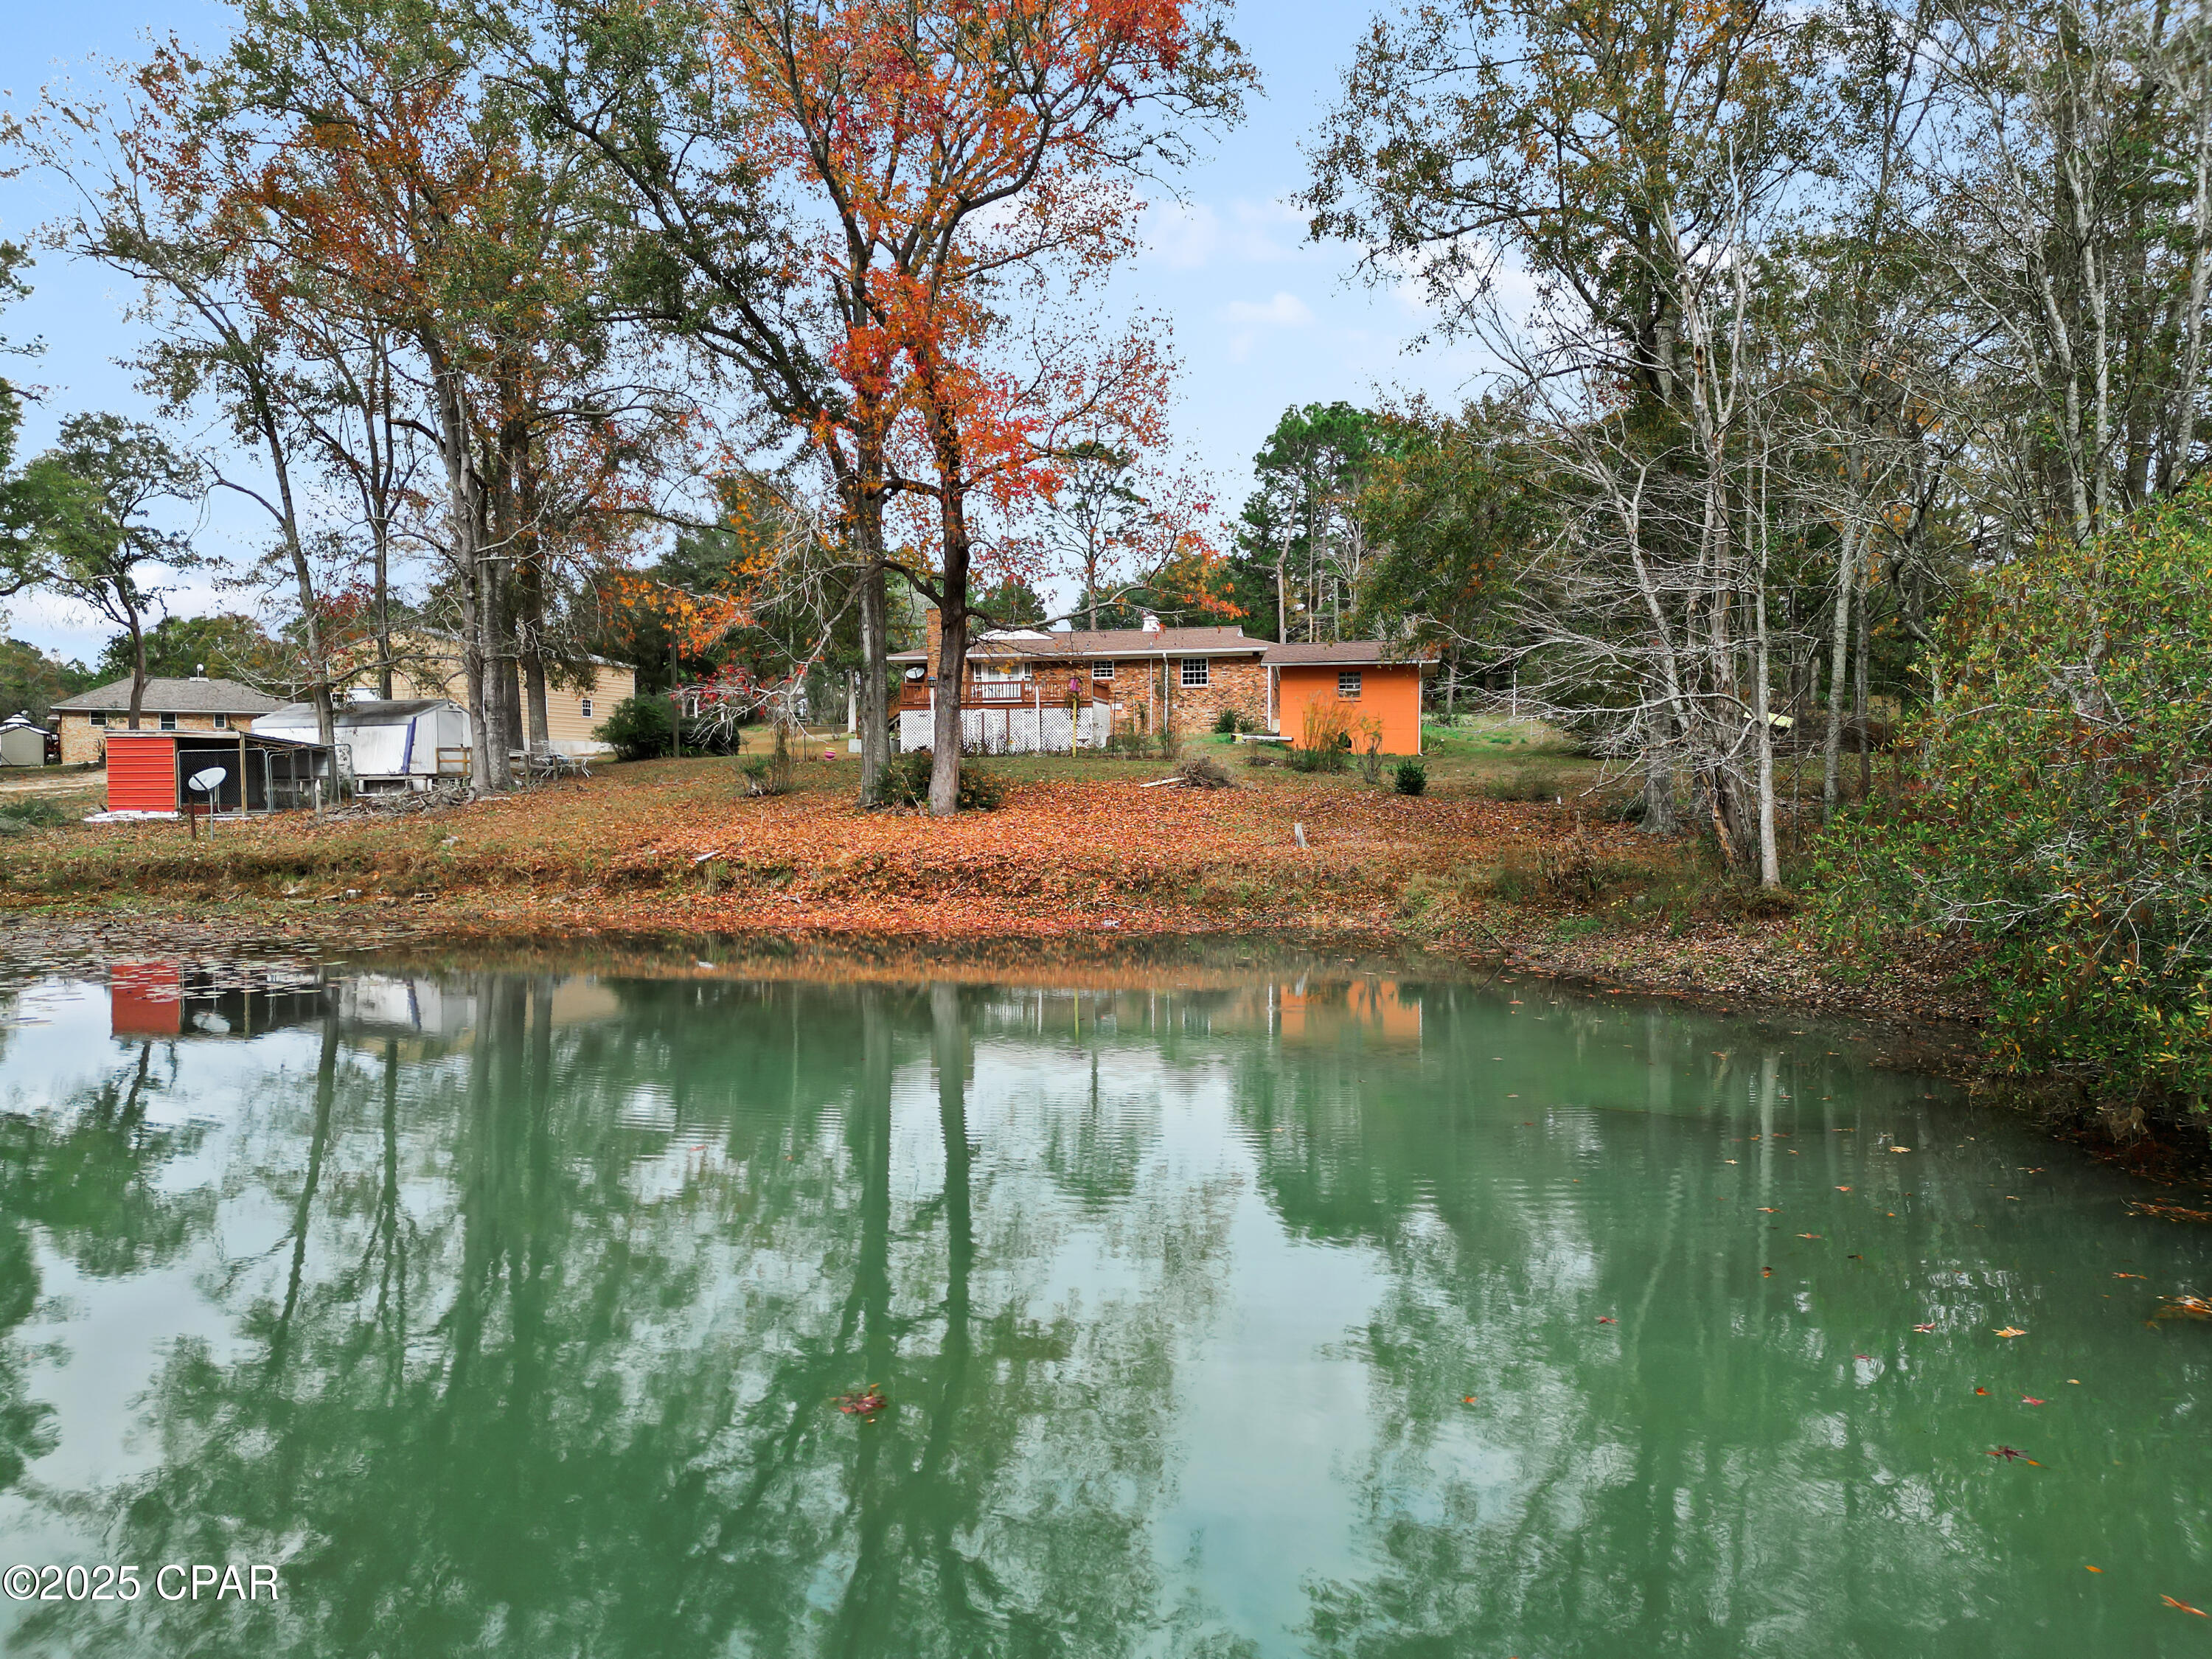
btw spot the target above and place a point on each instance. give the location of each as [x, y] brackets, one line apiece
[1516, 851]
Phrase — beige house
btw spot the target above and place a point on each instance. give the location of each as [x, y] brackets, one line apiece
[198, 704]
[430, 666]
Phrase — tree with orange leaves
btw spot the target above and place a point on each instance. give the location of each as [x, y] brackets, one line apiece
[845, 202]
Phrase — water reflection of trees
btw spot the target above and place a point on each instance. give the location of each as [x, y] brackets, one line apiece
[86, 1173]
[544, 1357]
[1718, 1472]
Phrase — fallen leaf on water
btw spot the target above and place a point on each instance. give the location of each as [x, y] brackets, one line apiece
[1603, 1320]
[2183, 1307]
[1981, 1390]
[2029, 1399]
[1766, 1272]
[1900, 1149]
[866, 1403]
[1862, 1356]
[2184, 1607]
[1923, 1327]
[1842, 1190]
[2169, 1211]
[1770, 1209]
[1808, 1235]
[2093, 1569]
[1468, 1400]
[2012, 1330]
[2127, 1275]
[2012, 1455]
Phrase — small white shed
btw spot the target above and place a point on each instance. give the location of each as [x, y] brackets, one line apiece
[399, 743]
[22, 742]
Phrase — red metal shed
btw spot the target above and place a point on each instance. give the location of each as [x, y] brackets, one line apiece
[142, 771]
[147, 770]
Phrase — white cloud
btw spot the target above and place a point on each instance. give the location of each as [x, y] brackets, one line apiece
[1285, 310]
[1190, 235]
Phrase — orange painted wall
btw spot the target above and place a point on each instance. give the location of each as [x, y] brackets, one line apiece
[141, 772]
[1390, 692]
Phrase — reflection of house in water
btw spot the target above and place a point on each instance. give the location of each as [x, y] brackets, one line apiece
[418, 1005]
[1374, 1008]
[1311, 1009]
[176, 999]
[389, 1004]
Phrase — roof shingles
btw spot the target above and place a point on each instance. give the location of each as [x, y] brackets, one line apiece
[171, 697]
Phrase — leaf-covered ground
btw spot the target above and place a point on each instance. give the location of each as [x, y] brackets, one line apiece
[1080, 849]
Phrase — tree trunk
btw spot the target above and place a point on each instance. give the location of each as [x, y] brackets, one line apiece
[1859, 684]
[864, 487]
[1840, 644]
[1770, 856]
[1659, 816]
[138, 670]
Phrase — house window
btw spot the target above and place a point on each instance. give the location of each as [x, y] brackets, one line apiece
[99, 719]
[1347, 683]
[585, 704]
[1195, 671]
[168, 722]
[1102, 671]
[222, 722]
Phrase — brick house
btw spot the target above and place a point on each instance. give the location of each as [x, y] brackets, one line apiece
[198, 704]
[1029, 688]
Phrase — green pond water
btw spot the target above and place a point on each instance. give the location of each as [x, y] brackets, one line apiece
[1263, 1312]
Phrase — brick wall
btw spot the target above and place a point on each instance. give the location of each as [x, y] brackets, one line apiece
[82, 742]
[1237, 682]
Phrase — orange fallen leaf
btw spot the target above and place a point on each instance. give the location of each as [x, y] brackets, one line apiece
[1842, 1190]
[2012, 1330]
[1981, 1390]
[1900, 1149]
[2184, 1607]
[1603, 1320]
[2093, 1569]
[1808, 1235]
[1468, 1400]
[2029, 1399]
[1923, 1327]
[1770, 1209]
[2127, 1275]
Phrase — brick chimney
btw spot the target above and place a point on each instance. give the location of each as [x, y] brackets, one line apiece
[935, 626]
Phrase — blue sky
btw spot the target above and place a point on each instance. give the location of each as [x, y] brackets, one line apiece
[1263, 318]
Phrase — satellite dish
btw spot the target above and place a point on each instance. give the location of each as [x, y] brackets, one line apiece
[208, 781]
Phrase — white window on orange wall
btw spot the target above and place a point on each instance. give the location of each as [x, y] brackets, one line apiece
[1102, 671]
[1347, 683]
[1197, 670]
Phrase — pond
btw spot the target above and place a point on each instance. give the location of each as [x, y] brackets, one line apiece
[1241, 1312]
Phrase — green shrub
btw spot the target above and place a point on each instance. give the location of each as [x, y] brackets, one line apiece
[639, 728]
[29, 812]
[1228, 723]
[906, 783]
[1410, 777]
[2065, 814]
